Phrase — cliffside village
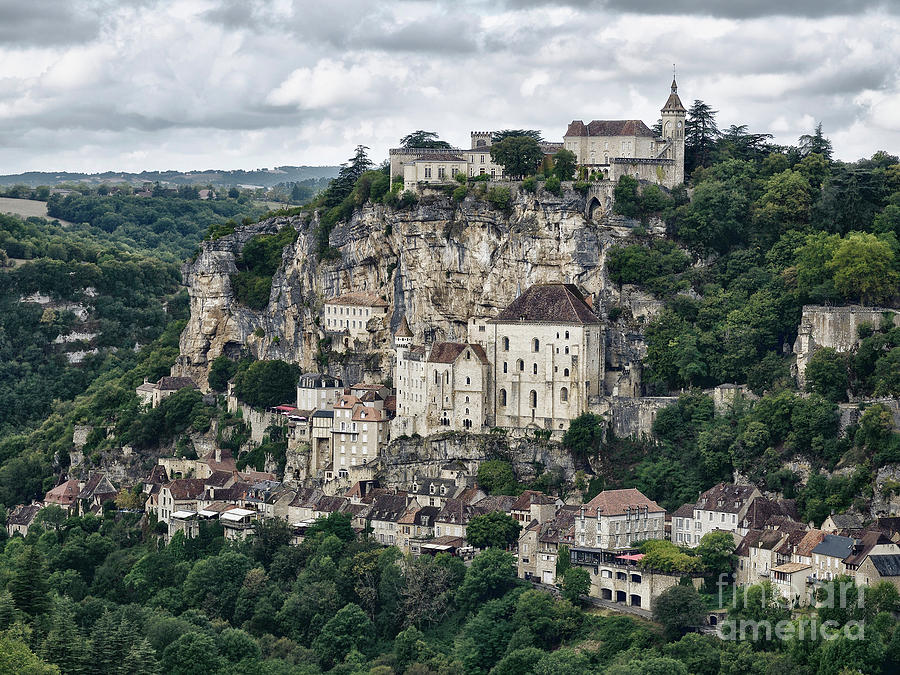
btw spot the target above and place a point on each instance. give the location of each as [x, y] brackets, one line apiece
[536, 366]
[529, 371]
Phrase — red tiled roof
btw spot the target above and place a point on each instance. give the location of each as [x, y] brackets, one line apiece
[175, 383]
[186, 488]
[65, 493]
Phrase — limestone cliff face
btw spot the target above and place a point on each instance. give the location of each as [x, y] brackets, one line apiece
[438, 263]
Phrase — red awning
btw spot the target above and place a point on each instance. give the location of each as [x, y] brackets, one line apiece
[285, 408]
[634, 556]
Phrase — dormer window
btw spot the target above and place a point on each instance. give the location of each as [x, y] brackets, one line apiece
[431, 489]
[443, 489]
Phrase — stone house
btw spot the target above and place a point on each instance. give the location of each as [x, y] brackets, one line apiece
[64, 495]
[615, 148]
[237, 524]
[722, 507]
[95, 491]
[829, 555]
[415, 525]
[621, 579]
[384, 518]
[840, 523]
[546, 352]
[448, 390]
[615, 519]
[433, 491]
[533, 505]
[318, 391]
[348, 315]
[169, 385]
[20, 519]
[792, 581]
[433, 167]
[453, 518]
[879, 567]
[539, 545]
[359, 430]
[869, 543]
[181, 494]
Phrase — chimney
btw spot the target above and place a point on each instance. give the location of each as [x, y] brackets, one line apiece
[218, 454]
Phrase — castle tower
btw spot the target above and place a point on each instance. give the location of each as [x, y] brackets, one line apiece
[481, 139]
[673, 118]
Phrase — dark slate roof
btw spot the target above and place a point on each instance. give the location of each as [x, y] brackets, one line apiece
[97, 484]
[175, 383]
[866, 543]
[324, 413]
[609, 128]
[550, 303]
[158, 475]
[319, 381]
[23, 514]
[725, 498]
[834, 546]
[422, 486]
[684, 511]
[887, 564]
[448, 352]
[388, 507]
[846, 520]
[673, 102]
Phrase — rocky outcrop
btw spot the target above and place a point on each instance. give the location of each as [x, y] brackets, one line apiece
[438, 263]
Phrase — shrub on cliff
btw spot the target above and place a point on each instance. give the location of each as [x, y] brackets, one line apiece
[267, 383]
[500, 198]
[257, 263]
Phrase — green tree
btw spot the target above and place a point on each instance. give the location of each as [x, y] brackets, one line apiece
[627, 201]
[16, 658]
[575, 582]
[863, 267]
[563, 561]
[584, 436]
[267, 383]
[349, 629]
[700, 134]
[493, 530]
[221, 370]
[564, 164]
[423, 139]
[28, 584]
[502, 135]
[679, 609]
[193, 653]
[496, 477]
[518, 155]
[815, 143]
[491, 574]
[827, 375]
[716, 552]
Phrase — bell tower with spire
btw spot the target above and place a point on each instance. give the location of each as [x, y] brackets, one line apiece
[673, 118]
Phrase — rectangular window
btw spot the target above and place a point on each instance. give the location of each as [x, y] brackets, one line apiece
[440, 172]
[427, 172]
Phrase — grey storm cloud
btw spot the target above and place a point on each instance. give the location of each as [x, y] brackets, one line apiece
[49, 22]
[104, 84]
[732, 9]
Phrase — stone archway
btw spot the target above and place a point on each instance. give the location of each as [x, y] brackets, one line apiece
[593, 205]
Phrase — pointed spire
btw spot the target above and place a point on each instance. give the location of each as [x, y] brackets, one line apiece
[403, 329]
[674, 83]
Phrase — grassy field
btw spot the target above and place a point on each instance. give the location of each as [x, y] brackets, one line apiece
[25, 208]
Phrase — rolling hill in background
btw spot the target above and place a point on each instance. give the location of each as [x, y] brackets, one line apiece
[239, 177]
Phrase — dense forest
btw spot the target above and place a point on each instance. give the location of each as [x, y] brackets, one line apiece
[102, 595]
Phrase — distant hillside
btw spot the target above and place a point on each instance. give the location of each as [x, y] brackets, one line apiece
[258, 177]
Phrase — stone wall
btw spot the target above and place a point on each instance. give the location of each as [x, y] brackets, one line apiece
[631, 416]
[834, 327]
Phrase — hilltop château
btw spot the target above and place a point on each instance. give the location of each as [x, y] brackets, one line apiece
[607, 148]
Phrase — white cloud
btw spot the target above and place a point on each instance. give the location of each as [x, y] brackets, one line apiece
[189, 84]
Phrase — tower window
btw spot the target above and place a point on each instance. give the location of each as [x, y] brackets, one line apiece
[535, 345]
[533, 398]
[503, 397]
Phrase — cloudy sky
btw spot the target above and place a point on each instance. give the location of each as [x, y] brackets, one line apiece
[92, 85]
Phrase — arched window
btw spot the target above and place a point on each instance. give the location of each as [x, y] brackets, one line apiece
[564, 394]
[467, 399]
[504, 366]
[534, 368]
[533, 398]
[567, 335]
[447, 377]
[506, 344]
[467, 355]
[503, 397]
[567, 350]
[535, 345]
[565, 372]
[436, 378]
[521, 364]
